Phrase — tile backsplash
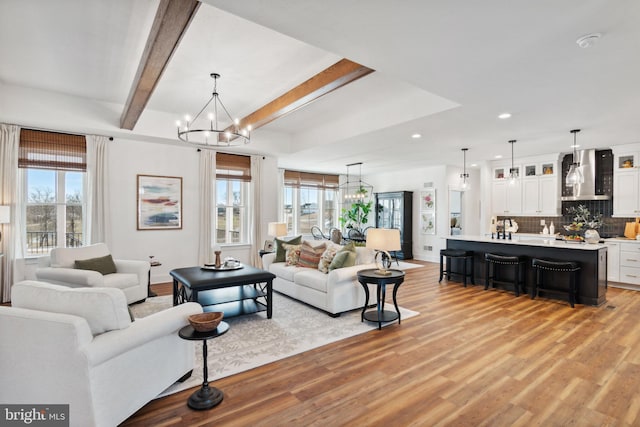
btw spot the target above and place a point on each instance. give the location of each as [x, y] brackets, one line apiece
[612, 226]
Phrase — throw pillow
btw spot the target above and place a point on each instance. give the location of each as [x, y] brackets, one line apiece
[310, 255]
[280, 251]
[346, 257]
[103, 265]
[292, 254]
[327, 257]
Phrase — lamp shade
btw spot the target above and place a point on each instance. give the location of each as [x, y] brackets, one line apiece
[5, 214]
[277, 229]
[383, 239]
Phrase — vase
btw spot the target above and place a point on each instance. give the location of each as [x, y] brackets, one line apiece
[591, 236]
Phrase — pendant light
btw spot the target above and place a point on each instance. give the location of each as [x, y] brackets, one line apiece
[513, 171]
[574, 176]
[464, 175]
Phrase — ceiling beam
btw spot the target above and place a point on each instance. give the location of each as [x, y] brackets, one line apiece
[169, 25]
[339, 74]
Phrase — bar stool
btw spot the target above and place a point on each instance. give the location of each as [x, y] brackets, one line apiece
[452, 254]
[570, 267]
[496, 261]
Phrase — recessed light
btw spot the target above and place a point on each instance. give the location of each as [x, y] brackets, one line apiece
[504, 116]
[499, 156]
[473, 165]
[575, 145]
[416, 136]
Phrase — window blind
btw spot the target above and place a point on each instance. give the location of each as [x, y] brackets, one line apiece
[52, 150]
[310, 179]
[233, 166]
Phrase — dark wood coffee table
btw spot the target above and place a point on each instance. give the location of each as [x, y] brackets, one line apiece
[234, 292]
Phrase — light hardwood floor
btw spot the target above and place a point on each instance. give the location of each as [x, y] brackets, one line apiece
[471, 358]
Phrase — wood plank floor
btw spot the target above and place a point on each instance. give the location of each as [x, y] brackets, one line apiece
[471, 358]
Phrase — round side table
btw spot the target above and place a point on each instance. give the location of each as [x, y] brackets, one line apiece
[206, 397]
[380, 314]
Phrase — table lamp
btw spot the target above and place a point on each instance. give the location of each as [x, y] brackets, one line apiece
[383, 240]
[5, 217]
[277, 229]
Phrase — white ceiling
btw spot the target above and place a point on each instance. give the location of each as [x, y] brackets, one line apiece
[444, 69]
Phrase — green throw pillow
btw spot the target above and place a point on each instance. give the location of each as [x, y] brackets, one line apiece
[345, 257]
[281, 252]
[103, 265]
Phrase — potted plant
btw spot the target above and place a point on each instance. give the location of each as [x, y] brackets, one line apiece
[583, 220]
[357, 213]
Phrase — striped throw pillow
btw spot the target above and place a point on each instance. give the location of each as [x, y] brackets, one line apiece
[310, 255]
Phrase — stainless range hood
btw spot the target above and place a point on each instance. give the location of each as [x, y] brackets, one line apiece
[589, 168]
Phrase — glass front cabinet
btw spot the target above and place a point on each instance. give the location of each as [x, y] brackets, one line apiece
[393, 210]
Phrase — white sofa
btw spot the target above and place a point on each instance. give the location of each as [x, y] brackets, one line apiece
[61, 345]
[132, 276]
[335, 292]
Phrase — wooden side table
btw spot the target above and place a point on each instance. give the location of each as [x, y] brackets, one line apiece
[206, 397]
[380, 314]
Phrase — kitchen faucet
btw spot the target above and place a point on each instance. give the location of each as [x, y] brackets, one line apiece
[504, 228]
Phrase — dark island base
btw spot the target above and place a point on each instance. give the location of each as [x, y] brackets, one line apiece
[592, 277]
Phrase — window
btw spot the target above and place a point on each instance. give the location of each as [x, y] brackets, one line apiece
[233, 177]
[53, 167]
[310, 200]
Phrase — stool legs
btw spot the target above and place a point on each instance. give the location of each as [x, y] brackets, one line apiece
[440, 280]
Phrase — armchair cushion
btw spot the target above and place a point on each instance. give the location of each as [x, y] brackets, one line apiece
[104, 309]
[66, 257]
[103, 265]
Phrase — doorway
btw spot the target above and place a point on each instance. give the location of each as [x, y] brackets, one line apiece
[455, 212]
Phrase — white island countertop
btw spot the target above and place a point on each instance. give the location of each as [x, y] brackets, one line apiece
[541, 241]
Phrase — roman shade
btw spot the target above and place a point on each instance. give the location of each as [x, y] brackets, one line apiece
[310, 179]
[52, 150]
[233, 166]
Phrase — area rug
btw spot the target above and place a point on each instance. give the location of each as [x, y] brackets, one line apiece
[253, 340]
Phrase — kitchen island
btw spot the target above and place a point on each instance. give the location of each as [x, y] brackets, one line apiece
[592, 277]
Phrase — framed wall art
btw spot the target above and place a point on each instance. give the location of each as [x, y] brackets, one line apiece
[159, 202]
[428, 200]
[428, 223]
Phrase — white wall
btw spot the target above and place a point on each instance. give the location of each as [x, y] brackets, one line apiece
[172, 248]
[442, 178]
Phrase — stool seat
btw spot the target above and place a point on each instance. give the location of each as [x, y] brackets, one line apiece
[494, 261]
[555, 265]
[457, 254]
[570, 267]
[503, 259]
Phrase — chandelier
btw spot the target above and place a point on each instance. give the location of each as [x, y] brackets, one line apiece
[213, 125]
[356, 191]
[574, 176]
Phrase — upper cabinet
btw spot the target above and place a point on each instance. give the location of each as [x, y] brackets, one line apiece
[626, 181]
[534, 193]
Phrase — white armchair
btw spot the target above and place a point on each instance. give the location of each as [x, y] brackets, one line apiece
[131, 276]
[60, 345]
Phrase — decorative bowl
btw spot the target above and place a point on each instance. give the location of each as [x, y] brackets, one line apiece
[206, 322]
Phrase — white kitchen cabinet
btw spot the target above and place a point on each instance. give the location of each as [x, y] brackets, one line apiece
[626, 184]
[629, 263]
[613, 261]
[506, 197]
[540, 196]
[626, 200]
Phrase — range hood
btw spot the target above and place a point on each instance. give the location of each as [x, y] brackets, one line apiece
[596, 166]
